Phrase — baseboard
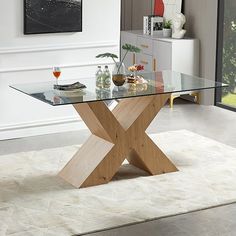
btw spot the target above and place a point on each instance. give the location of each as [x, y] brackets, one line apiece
[35, 128]
[50, 126]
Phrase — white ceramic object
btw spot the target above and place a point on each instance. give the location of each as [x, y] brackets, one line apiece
[178, 23]
[171, 8]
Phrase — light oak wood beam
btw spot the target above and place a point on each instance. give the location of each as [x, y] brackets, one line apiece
[117, 135]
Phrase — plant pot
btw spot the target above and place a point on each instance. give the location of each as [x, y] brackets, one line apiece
[167, 33]
[118, 79]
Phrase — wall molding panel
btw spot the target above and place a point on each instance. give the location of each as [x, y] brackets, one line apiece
[60, 47]
[30, 58]
[37, 68]
[42, 58]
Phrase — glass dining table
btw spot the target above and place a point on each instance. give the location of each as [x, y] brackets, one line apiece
[117, 134]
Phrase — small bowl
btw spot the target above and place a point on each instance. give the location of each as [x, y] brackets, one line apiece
[119, 79]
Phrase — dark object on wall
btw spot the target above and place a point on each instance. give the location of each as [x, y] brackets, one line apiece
[52, 16]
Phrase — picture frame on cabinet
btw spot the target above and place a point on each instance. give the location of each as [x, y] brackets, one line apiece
[152, 25]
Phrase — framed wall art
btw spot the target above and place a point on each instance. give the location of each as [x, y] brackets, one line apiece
[52, 16]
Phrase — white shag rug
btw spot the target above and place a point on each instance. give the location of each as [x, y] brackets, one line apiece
[34, 201]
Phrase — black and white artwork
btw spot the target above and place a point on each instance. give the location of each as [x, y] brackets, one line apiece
[52, 16]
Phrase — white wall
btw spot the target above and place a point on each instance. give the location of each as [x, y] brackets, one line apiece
[30, 58]
[97, 15]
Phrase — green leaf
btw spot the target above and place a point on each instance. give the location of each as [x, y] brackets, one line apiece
[107, 55]
[131, 48]
[167, 24]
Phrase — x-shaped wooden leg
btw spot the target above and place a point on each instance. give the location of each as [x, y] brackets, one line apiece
[117, 135]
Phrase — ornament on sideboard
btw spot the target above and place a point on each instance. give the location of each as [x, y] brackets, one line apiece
[159, 8]
[167, 30]
[178, 23]
[167, 8]
[152, 25]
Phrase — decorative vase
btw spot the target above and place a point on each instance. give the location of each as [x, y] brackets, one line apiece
[118, 74]
[167, 33]
[159, 8]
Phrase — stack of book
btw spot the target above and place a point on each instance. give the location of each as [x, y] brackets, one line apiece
[152, 25]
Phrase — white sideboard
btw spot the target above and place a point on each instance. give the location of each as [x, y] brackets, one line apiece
[158, 53]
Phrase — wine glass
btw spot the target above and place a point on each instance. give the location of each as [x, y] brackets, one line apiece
[56, 73]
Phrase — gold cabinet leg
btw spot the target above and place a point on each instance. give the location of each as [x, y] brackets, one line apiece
[196, 96]
[171, 101]
[172, 98]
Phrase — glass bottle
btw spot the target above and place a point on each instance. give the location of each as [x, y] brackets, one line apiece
[106, 78]
[99, 78]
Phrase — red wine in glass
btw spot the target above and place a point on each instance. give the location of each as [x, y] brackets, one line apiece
[56, 73]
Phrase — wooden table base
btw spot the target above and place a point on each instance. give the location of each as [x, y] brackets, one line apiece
[117, 135]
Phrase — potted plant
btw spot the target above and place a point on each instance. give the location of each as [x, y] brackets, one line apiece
[118, 75]
[167, 31]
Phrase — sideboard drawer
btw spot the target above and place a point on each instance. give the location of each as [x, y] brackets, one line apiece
[145, 45]
[146, 61]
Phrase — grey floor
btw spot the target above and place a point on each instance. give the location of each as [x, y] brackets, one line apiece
[212, 122]
[220, 221]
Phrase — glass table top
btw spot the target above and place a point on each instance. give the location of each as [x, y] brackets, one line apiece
[163, 82]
